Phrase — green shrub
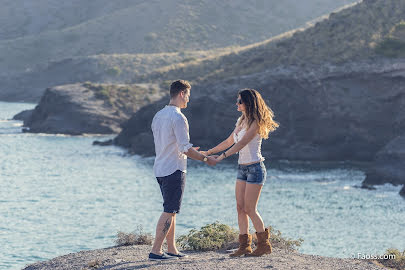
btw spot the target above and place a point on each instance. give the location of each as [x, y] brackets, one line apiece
[391, 47]
[209, 237]
[394, 44]
[138, 237]
[189, 59]
[220, 236]
[115, 71]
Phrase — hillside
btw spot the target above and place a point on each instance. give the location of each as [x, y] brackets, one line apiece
[143, 27]
[103, 68]
[21, 18]
[353, 34]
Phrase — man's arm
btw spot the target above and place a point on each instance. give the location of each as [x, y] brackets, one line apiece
[183, 141]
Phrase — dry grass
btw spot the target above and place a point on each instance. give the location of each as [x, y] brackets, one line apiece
[138, 237]
[398, 262]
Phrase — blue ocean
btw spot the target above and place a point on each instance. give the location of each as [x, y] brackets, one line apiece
[60, 194]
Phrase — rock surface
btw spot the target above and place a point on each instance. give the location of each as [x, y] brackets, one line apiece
[389, 164]
[135, 257]
[24, 115]
[77, 109]
[327, 114]
[402, 191]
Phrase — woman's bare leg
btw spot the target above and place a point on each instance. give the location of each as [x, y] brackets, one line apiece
[251, 198]
[243, 220]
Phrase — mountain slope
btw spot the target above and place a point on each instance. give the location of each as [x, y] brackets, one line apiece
[160, 26]
[352, 34]
[20, 18]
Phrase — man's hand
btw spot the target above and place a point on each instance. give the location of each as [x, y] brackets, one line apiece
[212, 160]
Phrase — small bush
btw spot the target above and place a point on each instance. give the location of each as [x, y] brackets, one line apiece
[391, 47]
[277, 240]
[115, 71]
[189, 59]
[220, 236]
[394, 44]
[398, 262]
[138, 237]
[209, 237]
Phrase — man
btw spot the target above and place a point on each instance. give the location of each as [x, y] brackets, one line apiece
[172, 145]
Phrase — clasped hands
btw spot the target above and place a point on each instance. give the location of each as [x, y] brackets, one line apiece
[212, 159]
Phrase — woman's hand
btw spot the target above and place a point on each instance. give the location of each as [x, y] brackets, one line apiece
[220, 158]
[205, 153]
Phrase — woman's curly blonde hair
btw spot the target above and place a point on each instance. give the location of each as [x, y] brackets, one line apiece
[257, 110]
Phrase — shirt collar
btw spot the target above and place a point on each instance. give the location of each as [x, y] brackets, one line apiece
[171, 107]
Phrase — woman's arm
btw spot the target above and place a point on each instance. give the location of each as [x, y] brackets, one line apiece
[249, 135]
[221, 146]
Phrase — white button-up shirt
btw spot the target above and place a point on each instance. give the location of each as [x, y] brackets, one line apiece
[171, 136]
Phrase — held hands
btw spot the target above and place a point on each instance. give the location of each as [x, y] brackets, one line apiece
[212, 160]
[220, 158]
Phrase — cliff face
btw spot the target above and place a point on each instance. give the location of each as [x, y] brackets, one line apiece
[85, 108]
[352, 112]
[389, 164]
[331, 113]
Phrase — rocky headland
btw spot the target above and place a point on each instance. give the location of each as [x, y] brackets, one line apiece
[351, 112]
[135, 257]
[87, 108]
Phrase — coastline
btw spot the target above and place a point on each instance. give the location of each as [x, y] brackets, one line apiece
[135, 257]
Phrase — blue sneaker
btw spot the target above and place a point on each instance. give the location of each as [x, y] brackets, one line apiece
[178, 255]
[163, 257]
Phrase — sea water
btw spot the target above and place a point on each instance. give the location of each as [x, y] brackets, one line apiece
[60, 194]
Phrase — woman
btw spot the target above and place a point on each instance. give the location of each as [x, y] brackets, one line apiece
[253, 125]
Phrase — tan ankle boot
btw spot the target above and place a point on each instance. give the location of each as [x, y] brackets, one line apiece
[245, 242]
[263, 244]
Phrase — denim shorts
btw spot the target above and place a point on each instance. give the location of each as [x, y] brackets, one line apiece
[172, 188]
[253, 173]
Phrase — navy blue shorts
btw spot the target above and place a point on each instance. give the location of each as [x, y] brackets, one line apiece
[172, 188]
[253, 174]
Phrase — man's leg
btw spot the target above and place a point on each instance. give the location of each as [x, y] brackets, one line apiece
[162, 229]
[170, 238]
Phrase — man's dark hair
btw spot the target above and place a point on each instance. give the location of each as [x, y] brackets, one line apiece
[178, 86]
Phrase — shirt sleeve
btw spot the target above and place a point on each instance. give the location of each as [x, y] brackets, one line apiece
[182, 134]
